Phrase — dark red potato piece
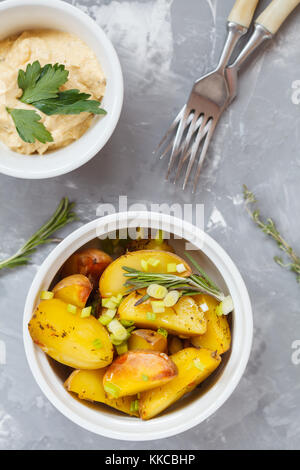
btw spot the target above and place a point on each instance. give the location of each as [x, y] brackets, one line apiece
[90, 262]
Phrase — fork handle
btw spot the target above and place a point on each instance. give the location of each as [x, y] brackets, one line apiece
[242, 12]
[266, 26]
[234, 34]
[276, 13]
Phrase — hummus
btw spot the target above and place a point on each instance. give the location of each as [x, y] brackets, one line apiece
[48, 47]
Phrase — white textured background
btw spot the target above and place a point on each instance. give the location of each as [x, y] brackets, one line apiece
[163, 46]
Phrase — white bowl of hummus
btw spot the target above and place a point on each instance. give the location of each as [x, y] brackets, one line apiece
[56, 33]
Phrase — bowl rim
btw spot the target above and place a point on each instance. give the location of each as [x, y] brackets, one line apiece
[84, 156]
[179, 420]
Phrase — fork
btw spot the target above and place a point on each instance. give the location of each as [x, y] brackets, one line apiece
[212, 94]
[200, 115]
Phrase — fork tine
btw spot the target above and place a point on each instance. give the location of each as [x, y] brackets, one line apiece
[204, 151]
[169, 146]
[171, 128]
[177, 140]
[192, 129]
[202, 131]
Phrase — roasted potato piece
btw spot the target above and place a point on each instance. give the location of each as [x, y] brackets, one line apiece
[90, 262]
[217, 336]
[136, 371]
[174, 345]
[73, 290]
[88, 385]
[194, 366]
[113, 279]
[81, 343]
[185, 318]
[147, 339]
[149, 244]
[186, 307]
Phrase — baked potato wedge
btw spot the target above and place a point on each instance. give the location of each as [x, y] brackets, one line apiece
[185, 318]
[194, 366]
[90, 262]
[88, 385]
[136, 371]
[147, 339]
[113, 279]
[149, 244]
[73, 290]
[217, 336]
[81, 343]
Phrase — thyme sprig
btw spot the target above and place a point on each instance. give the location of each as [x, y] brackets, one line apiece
[269, 227]
[191, 285]
[62, 216]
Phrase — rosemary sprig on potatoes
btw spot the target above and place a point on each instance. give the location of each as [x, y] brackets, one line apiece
[170, 286]
[62, 216]
[269, 227]
[193, 284]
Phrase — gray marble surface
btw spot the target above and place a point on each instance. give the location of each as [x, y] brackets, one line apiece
[163, 46]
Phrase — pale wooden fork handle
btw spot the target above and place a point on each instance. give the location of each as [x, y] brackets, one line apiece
[243, 11]
[276, 13]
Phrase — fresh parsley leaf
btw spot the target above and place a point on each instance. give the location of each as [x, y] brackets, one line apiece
[28, 126]
[69, 102]
[41, 83]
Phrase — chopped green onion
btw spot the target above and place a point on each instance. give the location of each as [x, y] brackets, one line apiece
[158, 306]
[112, 389]
[110, 312]
[97, 344]
[151, 316]
[171, 268]
[107, 316]
[180, 268]
[159, 237]
[72, 309]
[171, 298]
[199, 364]
[117, 299]
[127, 323]
[129, 330]
[145, 377]
[122, 348]
[108, 303]
[85, 312]
[134, 405]
[225, 307]
[157, 291]
[144, 265]
[104, 319]
[46, 295]
[153, 262]
[115, 341]
[117, 330]
[162, 332]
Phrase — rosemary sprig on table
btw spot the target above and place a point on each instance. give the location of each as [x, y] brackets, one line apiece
[61, 217]
[191, 285]
[269, 227]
